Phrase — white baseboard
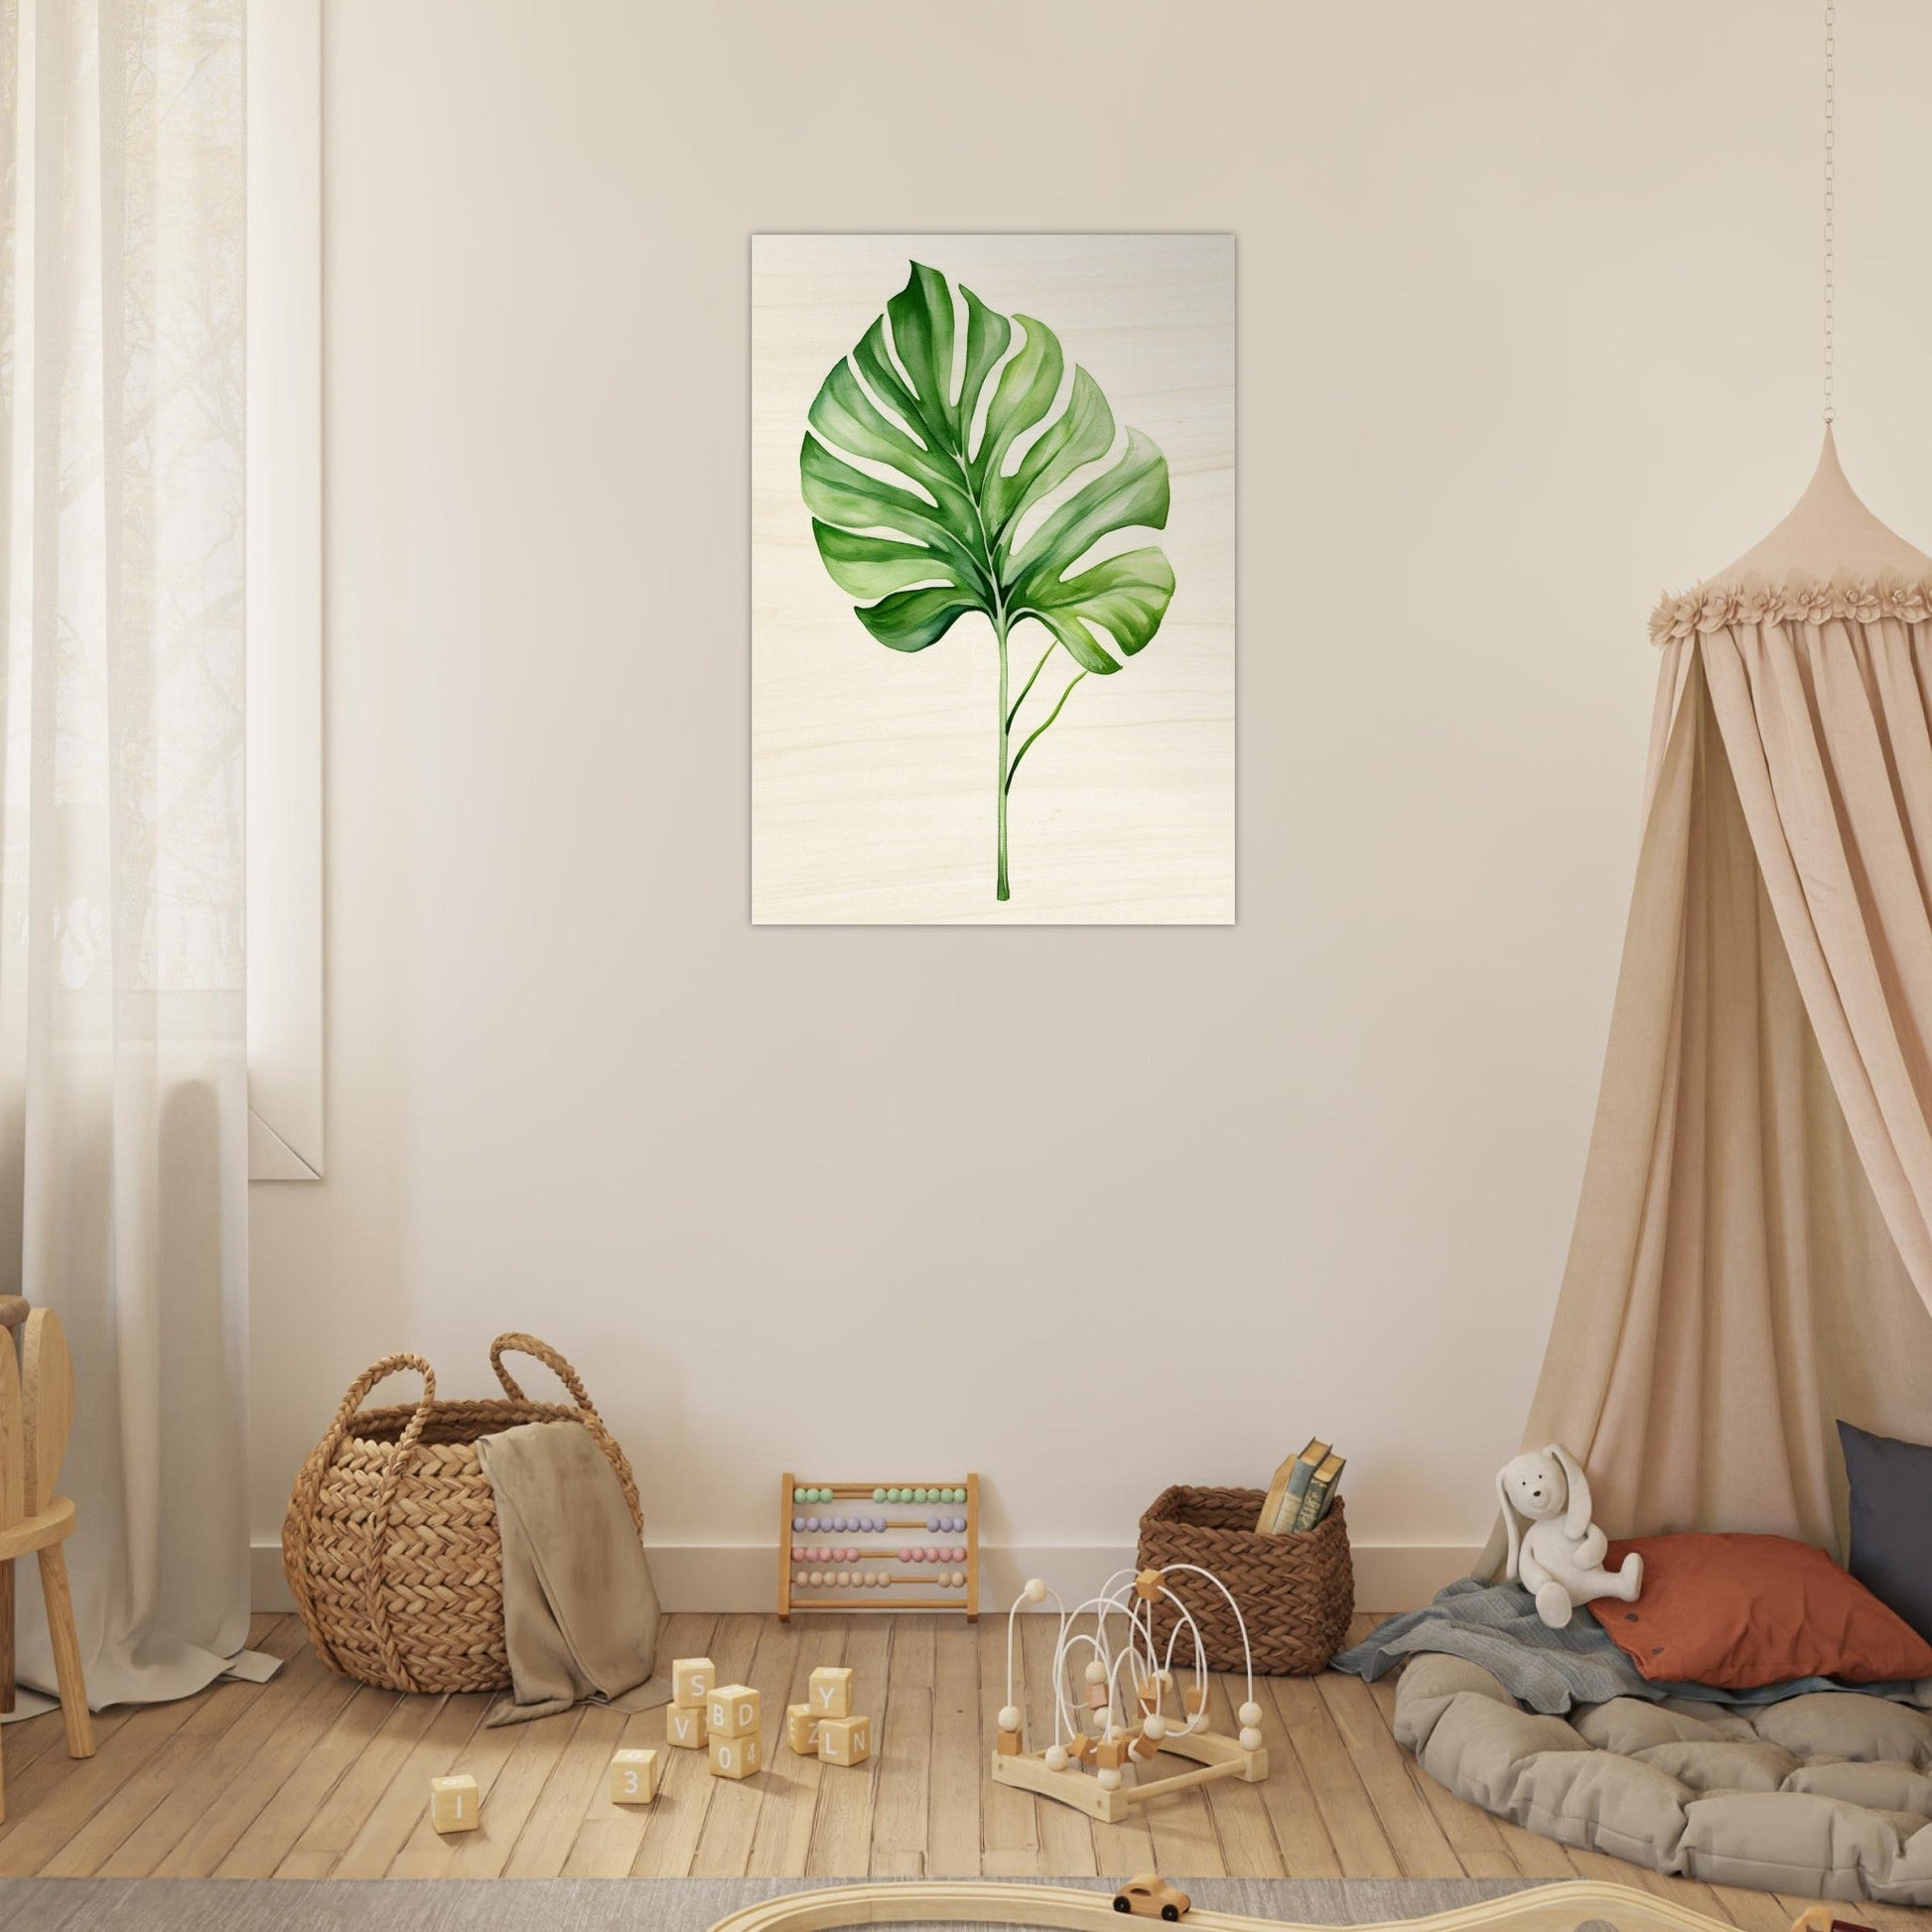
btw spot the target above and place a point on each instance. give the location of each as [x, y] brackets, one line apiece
[734, 1576]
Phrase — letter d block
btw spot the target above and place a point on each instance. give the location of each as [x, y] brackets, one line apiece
[684, 1729]
[453, 1804]
[801, 1730]
[830, 1687]
[843, 1741]
[692, 1681]
[731, 1711]
[634, 1778]
[736, 1757]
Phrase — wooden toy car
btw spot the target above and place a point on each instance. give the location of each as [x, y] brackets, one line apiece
[1149, 1896]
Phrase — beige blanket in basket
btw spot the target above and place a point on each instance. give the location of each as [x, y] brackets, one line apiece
[580, 1613]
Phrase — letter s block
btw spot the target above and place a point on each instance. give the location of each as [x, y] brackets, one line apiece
[692, 1680]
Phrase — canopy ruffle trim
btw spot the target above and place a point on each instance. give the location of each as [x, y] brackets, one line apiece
[1798, 600]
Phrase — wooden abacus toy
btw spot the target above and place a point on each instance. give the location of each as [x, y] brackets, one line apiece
[918, 1536]
[1137, 1672]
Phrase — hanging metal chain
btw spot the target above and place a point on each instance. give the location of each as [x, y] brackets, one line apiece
[1831, 192]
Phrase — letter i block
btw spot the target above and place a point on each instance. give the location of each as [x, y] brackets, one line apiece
[684, 1728]
[843, 1741]
[831, 1692]
[634, 1778]
[801, 1730]
[731, 1711]
[692, 1681]
[454, 1805]
[736, 1757]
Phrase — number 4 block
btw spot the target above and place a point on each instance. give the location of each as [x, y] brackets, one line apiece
[736, 1757]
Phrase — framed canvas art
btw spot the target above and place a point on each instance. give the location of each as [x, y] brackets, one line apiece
[992, 590]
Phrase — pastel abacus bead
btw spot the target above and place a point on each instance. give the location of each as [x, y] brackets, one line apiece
[878, 1494]
[798, 1494]
[905, 1555]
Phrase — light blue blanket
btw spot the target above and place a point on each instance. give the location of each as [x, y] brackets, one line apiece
[1497, 1626]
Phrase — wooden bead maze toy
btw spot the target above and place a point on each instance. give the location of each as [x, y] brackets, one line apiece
[1087, 1770]
[888, 1538]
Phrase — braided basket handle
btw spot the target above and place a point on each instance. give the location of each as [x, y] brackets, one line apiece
[521, 1344]
[308, 1486]
[541, 1351]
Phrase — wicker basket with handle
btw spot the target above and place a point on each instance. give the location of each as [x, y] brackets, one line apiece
[1297, 1591]
[391, 1547]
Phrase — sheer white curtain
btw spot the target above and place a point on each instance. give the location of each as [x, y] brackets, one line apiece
[123, 1167]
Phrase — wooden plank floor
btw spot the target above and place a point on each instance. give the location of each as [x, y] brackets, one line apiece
[310, 1776]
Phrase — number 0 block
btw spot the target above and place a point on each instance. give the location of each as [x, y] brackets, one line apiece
[843, 1741]
[736, 1757]
[453, 1804]
[634, 1778]
[830, 1687]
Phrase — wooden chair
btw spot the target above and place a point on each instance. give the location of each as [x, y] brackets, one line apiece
[36, 1415]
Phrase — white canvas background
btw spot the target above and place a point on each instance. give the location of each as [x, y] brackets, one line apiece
[874, 772]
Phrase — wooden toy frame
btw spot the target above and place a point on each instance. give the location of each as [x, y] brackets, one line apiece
[1564, 1907]
[889, 1597]
[1060, 1770]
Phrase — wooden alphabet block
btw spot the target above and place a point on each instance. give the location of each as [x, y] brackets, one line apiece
[731, 1711]
[1110, 1753]
[843, 1741]
[1008, 1743]
[692, 1681]
[634, 1778]
[736, 1757]
[801, 1730]
[455, 1803]
[830, 1687]
[684, 1728]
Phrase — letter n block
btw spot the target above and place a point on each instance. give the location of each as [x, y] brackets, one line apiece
[843, 1741]
[684, 1729]
[731, 1711]
[830, 1687]
[692, 1681]
[736, 1757]
[453, 1804]
[634, 1778]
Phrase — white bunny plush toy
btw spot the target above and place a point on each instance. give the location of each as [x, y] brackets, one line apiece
[1560, 1558]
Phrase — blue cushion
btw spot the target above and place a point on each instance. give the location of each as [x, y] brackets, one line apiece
[1891, 1522]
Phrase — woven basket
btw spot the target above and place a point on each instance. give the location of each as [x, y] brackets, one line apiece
[391, 1547]
[1297, 1591]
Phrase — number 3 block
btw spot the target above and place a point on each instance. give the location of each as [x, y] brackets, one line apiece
[634, 1778]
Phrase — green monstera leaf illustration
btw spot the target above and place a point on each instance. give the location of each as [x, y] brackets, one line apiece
[943, 543]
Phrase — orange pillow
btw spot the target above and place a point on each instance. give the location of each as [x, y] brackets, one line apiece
[1743, 1610]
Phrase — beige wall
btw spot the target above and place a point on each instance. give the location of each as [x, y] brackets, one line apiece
[1527, 317]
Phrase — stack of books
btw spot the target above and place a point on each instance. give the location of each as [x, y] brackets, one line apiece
[1304, 1491]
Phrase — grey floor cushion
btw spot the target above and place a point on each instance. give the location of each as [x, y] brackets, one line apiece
[1828, 1795]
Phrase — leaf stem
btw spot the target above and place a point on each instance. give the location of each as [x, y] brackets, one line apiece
[1031, 682]
[1013, 769]
[1000, 888]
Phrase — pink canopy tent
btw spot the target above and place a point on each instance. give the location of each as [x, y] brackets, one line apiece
[1753, 1254]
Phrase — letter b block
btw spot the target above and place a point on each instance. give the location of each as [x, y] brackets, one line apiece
[843, 1741]
[454, 1805]
[831, 1692]
[736, 1757]
[731, 1711]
